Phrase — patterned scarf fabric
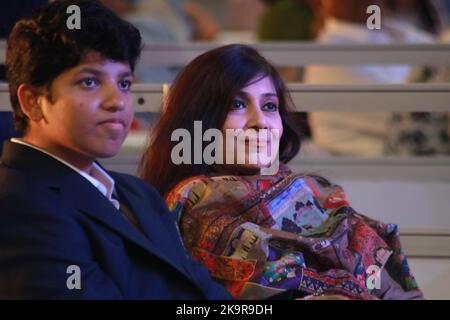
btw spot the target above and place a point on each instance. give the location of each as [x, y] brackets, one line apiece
[262, 235]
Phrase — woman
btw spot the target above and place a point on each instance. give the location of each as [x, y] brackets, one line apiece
[260, 234]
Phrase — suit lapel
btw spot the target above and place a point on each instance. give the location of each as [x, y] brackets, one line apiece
[91, 202]
[154, 230]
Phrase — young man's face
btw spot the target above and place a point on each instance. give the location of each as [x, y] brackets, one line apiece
[90, 110]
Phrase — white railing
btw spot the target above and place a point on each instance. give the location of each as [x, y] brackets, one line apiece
[301, 53]
[360, 98]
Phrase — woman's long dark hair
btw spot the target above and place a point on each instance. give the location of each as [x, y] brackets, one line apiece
[204, 91]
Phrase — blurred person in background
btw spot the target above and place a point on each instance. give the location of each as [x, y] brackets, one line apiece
[243, 14]
[356, 133]
[423, 133]
[423, 14]
[288, 20]
[444, 6]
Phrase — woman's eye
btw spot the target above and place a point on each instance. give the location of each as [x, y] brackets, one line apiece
[125, 85]
[89, 83]
[237, 105]
[272, 107]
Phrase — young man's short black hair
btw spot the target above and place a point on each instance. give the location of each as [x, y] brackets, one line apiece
[42, 47]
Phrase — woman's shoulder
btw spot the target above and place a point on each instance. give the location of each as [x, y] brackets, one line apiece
[181, 192]
[209, 191]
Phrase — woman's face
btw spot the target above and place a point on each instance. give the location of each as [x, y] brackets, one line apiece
[253, 127]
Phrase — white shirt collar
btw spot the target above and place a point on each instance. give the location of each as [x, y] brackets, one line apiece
[98, 177]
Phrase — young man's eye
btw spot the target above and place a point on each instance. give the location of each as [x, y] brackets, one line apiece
[89, 83]
[270, 106]
[238, 105]
[125, 85]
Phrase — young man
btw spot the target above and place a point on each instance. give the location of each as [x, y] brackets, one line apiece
[68, 228]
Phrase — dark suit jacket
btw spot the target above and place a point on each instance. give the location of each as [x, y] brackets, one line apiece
[52, 218]
[6, 127]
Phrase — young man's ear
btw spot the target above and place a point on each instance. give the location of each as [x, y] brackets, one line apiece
[29, 98]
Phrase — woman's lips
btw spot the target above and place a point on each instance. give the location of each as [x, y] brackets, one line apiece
[259, 143]
[113, 124]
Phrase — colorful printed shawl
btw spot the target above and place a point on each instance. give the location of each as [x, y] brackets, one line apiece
[261, 235]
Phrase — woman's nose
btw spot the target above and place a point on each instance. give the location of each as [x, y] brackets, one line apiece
[256, 118]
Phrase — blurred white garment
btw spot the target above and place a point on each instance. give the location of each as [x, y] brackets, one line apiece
[358, 133]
